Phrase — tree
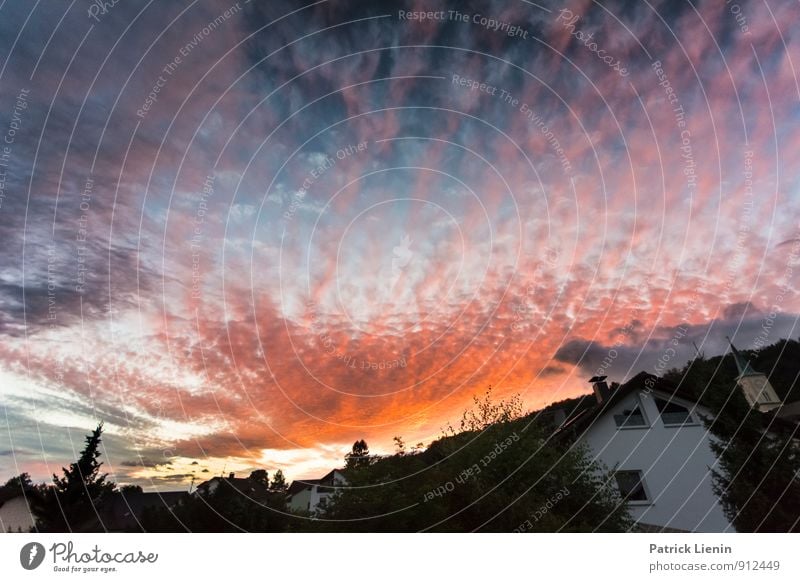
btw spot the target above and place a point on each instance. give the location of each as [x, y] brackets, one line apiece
[399, 445]
[75, 500]
[260, 476]
[279, 482]
[358, 456]
[19, 484]
[128, 489]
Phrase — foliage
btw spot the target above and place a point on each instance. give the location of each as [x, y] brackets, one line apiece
[128, 489]
[358, 456]
[486, 411]
[499, 480]
[231, 505]
[260, 476]
[279, 482]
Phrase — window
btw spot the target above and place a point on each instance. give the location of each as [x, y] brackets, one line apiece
[631, 486]
[672, 412]
[632, 417]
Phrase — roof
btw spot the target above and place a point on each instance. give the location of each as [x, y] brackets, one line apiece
[327, 481]
[301, 484]
[644, 382]
[641, 382]
[244, 485]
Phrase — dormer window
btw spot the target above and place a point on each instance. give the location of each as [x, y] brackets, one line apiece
[630, 418]
[673, 413]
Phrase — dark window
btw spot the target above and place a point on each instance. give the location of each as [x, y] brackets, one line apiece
[631, 486]
[633, 417]
[672, 412]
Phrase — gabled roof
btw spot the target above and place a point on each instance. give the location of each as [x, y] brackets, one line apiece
[644, 382]
[327, 481]
[243, 485]
[641, 382]
[301, 484]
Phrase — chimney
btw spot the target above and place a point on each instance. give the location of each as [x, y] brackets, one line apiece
[231, 476]
[600, 387]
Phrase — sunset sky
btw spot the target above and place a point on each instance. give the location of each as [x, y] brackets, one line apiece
[247, 234]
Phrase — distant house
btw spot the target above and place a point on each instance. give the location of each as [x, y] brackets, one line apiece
[15, 515]
[311, 494]
[650, 433]
[246, 485]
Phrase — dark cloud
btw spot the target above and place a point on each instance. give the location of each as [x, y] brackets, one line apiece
[673, 346]
[741, 310]
[548, 371]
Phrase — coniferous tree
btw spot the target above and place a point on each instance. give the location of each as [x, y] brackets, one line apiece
[279, 484]
[75, 501]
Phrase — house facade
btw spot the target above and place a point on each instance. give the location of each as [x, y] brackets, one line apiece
[310, 495]
[15, 515]
[652, 436]
[659, 450]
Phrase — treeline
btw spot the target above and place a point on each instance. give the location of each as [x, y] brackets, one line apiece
[497, 472]
[508, 477]
[82, 499]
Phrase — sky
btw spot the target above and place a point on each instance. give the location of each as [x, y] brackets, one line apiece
[245, 234]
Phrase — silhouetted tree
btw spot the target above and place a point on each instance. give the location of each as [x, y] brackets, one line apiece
[130, 489]
[260, 476]
[279, 484]
[19, 484]
[358, 456]
[74, 501]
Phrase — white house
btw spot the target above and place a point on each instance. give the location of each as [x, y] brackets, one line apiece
[15, 515]
[650, 433]
[311, 494]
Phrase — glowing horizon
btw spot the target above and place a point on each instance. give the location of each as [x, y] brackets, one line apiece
[246, 236]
